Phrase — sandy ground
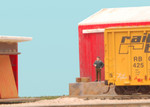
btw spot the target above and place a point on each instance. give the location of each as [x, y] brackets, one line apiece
[72, 101]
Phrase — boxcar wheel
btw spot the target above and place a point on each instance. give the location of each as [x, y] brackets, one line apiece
[129, 90]
[119, 90]
[144, 89]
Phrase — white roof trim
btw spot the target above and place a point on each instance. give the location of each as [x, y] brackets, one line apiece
[14, 39]
[119, 15]
[86, 31]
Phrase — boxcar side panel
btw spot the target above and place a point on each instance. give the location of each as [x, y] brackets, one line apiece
[148, 62]
[122, 60]
[131, 47]
[138, 57]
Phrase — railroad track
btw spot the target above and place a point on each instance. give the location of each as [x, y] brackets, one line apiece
[111, 97]
[98, 103]
[145, 104]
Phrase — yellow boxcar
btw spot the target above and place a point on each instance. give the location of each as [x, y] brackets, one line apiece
[127, 58]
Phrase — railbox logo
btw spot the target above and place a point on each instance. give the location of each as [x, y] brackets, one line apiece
[134, 42]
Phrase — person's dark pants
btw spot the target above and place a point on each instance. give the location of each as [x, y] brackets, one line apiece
[98, 74]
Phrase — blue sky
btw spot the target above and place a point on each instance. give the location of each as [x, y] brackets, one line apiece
[51, 61]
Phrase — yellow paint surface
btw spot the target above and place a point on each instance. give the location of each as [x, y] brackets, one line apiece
[127, 55]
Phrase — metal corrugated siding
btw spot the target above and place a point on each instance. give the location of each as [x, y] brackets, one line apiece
[89, 46]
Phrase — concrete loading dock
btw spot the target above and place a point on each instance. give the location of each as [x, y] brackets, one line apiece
[9, 65]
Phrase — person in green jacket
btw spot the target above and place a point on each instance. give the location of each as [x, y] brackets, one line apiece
[98, 64]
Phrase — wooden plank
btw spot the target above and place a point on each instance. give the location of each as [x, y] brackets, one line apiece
[78, 79]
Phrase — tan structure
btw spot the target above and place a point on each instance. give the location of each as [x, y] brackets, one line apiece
[9, 65]
[8, 87]
[89, 88]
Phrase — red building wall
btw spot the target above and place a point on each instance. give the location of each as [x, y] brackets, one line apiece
[14, 64]
[92, 45]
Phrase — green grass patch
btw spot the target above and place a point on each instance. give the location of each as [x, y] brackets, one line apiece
[48, 97]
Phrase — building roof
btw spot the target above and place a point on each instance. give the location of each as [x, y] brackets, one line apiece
[119, 15]
[14, 39]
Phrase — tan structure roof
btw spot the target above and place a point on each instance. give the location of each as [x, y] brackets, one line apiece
[14, 39]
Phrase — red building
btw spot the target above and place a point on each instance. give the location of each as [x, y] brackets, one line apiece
[91, 33]
[9, 65]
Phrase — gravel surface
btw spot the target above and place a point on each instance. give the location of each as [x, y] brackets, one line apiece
[72, 101]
